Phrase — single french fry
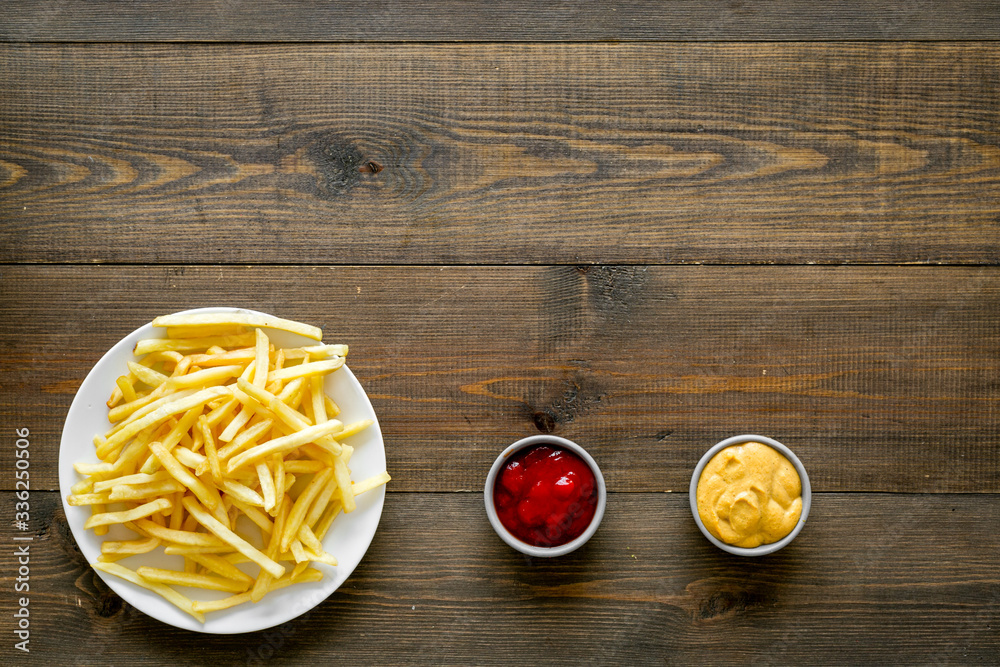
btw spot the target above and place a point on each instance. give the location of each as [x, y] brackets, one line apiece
[278, 466]
[124, 384]
[332, 409]
[129, 547]
[188, 458]
[142, 491]
[191, 344]
[303, 466]
[218, 414]
[138, 478]
[343, 476]
[316, 394]
[242, 493]
[288, 393]
[112, 558]
[262, 359]
[331, 513]
[320, 557]
[206, 606]
[306, 369]
[206, 581]
[317, 351]
[370, 483]
[210, 451]
[286, 443]
[108, 518]
[307, 574]
[224, 358]
[354, 427]
[177, 513]
[145, 375]
[205, 330]
[226, 535]
[177, 599]
[298, 552]
[306, 405]
[187, 550]
[182, 367]
[194, 439]
[83, 486]
[237, 422]
[244, 319]
[205, 377]
[168, 358]
[266, 486]
[93, 468]
[301, 506]
[116, 396]
[80, 499]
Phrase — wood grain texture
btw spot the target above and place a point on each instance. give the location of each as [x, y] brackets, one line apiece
[511, 154]
[519, 20]
[898, 579]
[880, 379]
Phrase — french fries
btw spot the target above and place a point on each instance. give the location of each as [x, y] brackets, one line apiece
[219, 441]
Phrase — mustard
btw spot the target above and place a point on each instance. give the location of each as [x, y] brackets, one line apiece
[749, 494]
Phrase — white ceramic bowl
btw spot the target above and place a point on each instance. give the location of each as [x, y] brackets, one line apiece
[524, 547]
[803, 477]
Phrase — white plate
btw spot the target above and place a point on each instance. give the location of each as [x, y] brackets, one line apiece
[347, 540]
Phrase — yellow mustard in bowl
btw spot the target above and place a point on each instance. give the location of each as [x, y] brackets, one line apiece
[749, 494]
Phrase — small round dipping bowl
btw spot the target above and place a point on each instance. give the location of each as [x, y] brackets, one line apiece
[506, 535]
[763, 549]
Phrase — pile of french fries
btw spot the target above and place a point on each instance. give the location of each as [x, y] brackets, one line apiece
[212, 423]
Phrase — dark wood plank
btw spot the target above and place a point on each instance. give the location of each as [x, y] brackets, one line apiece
[897, 579]
[580, 153]
[519, 20]
[881, 379]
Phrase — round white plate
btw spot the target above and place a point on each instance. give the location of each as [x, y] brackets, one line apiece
[348, 539]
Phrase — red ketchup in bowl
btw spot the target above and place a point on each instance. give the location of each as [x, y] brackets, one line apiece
[545, 495]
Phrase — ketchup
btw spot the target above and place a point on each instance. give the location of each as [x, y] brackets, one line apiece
[545, 495]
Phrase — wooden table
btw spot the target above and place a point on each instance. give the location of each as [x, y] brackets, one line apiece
[642, 226]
